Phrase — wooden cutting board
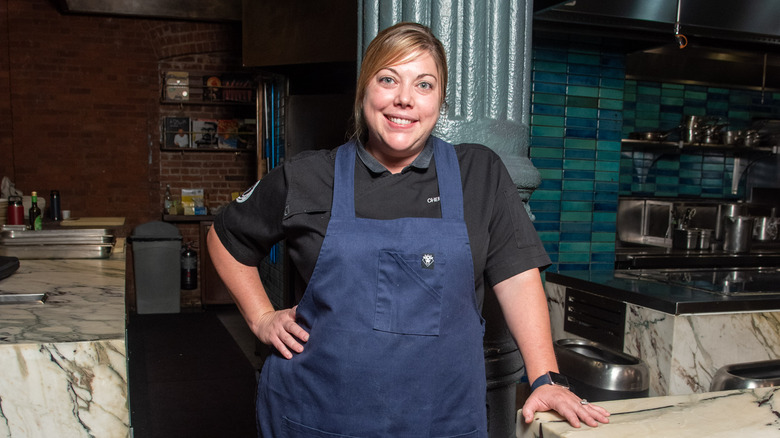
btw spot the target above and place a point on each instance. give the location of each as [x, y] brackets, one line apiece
[93, 222]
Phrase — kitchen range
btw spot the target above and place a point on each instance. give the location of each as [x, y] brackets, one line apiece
[728, 249]
[685, 307]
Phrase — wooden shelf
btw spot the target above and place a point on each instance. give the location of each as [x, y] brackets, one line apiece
[205, 103]
[188, 217]
[222, 150]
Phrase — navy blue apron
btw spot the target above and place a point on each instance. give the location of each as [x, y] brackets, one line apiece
[395, 345]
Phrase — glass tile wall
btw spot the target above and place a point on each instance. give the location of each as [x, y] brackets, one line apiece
[581, 107]
[576, 128]
[650, 106]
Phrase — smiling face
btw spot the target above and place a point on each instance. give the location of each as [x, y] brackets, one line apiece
[400, 108]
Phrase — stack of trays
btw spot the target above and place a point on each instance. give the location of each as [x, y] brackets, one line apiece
[81, 243]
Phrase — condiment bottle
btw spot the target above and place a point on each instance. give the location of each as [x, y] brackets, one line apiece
[35, 213]
[56, 213]
[168, 201]
[15, 210]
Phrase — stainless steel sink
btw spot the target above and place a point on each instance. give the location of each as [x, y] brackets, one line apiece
[23, 298]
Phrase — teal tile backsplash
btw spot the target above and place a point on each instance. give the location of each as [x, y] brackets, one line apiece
[582, 105]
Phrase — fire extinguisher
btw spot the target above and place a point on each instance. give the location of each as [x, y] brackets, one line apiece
[189, 268]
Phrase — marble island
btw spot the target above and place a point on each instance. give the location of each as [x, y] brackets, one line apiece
[64, 366]
[749, 413]
[682, 334]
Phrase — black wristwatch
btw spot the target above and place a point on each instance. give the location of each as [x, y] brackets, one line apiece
[551, 378]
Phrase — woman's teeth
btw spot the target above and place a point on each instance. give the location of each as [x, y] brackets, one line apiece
[399, 121]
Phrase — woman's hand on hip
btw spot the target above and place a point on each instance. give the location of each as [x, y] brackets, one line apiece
[279, 329]
[566, 403]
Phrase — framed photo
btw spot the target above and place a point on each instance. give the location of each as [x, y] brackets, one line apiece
[204, 133]
[176, 132]
[177, 86]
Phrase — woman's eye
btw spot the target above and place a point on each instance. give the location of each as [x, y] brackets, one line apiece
[386, 80]
[426, 85]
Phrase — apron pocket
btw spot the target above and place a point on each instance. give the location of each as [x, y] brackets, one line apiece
[408, 296]
[291, 429]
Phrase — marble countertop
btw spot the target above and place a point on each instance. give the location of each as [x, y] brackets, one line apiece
[750, 413]
[667, 298]
[86, 300]
[64, 361]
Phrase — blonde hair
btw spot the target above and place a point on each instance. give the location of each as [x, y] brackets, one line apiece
[399, 43]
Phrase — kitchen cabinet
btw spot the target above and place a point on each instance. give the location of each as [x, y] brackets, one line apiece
[212, 290]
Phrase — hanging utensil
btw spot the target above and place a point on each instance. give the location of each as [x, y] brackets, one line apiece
[682, 41]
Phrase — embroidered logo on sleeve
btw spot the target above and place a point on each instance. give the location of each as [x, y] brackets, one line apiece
[244, 196]
[427, 261]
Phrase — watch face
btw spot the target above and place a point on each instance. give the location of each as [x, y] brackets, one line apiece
[559, 379]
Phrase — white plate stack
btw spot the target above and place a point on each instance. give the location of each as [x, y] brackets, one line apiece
[3, 210]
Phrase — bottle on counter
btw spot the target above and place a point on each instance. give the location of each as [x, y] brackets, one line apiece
[56, 212]
[168, 204]
[36, 222]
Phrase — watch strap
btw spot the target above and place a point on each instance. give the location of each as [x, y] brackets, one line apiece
[551, 378]
[544, 379]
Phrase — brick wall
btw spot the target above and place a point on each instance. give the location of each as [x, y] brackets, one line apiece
[81, 94]
[80, 111]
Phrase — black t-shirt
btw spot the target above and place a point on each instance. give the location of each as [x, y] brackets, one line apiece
[293, 203]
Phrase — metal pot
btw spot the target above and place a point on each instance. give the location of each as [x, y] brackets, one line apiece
[691, 238]
[765, 228]
[650, 135]
[738, 233]
[723, 211]
[705, 238]
[685, 239]
[710, 134]
[750, 138]
[730, 137]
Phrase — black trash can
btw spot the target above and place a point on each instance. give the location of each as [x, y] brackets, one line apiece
[599, 373]
[747, 375]
[156, 264]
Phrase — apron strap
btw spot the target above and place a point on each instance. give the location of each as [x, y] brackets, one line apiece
[344, 182]
[447, 172]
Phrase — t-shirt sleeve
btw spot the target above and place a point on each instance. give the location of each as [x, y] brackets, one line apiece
[250, 226]
[514, 246]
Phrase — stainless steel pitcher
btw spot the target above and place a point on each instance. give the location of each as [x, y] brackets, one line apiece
[726, 210]
[738, 233]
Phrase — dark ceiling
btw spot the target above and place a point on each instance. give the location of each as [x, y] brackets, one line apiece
[730, 43]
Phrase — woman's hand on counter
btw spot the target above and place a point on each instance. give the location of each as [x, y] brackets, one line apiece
[279, 329]
[565, 403]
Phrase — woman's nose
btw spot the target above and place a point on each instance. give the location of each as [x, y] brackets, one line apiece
[404, 97]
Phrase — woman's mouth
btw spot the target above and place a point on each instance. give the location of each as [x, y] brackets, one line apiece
[399, 121]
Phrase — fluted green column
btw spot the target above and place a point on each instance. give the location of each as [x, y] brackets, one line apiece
[488, 45]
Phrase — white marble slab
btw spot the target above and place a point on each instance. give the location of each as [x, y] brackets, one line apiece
[75, 389]
[727, 414]
[683, 352]
[85, 301]
[64, 362]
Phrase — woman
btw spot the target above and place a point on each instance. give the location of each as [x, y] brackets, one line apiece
[395, 235]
